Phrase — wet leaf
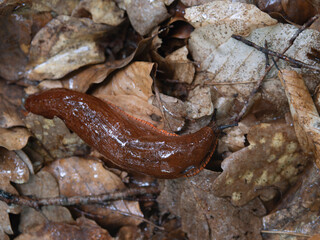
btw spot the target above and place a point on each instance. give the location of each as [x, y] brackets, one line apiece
[83, 229]
[12, 169]
[269, 164]
[303, 111]
[216, 218]
[63, 45]
[81, 177]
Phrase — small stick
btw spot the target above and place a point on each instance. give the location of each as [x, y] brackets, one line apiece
[287, 233]
[75, 200]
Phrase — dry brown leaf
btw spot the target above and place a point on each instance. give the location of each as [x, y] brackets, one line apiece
[63, 45]
[215, 218]
[315, 237]
[12, 169]
[130, 89]
[79, 177]
[102, 11]
[269, 164]
[145, 15]
[183, 69]
[303, 111]
[55, 136]
[14, 138]
[83, 229]
[299, 211]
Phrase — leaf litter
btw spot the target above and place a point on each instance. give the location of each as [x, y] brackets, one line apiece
[140, 56]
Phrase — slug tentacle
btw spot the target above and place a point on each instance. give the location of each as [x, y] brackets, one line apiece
[126, 141]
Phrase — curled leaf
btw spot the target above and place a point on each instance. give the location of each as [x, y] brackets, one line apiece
[303, 111]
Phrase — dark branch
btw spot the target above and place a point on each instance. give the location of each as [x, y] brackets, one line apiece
[76, 200]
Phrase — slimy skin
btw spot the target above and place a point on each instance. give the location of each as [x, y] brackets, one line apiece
[128, 142]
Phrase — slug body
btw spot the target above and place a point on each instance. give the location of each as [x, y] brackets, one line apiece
[130, 143]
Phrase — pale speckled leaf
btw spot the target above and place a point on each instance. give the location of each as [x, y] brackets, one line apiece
[272, 160]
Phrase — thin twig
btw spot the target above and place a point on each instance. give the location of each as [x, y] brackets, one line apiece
[75, 200]
[276, 54]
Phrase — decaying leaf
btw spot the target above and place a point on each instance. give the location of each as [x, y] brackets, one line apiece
[215, 218]
[299, 211]
[303, 111]
[83, 229]
[145, 15]
[41, 185]
[221, 19]
[199, 103]
[269, 164]
[63, 45]
[14, 138]
[80, 177]
[55, 136]
[130, 89]
[102, 11]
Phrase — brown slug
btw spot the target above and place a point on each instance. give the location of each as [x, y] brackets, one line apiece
[128, 142]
